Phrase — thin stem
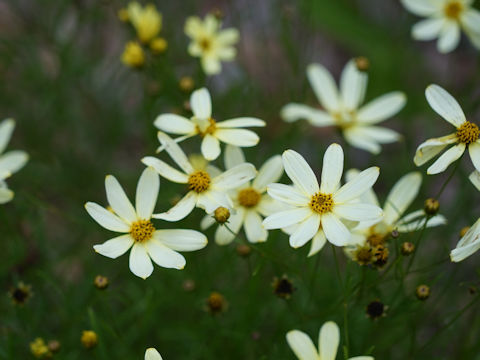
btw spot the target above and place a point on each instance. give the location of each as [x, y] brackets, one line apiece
[345, 303]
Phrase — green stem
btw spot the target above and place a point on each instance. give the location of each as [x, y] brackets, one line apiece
[345, 303]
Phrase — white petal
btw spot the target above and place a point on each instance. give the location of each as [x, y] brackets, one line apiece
[469, 244]
[235, 176]
[201, 103]
[335, 231]
[355, 188]
[118, 200]
[105, 218]
[228, 36]
[6, 129]
[206, 222]
[152, 354]
[115, 247]
[240, 123]
[270, 172]
[211, 200]
[147, 193]
[360, 142]
[376, 134]
[430, 148]
[175, 152]
[353, 84]
[475, 179]
[6, 195]
[332, 169]
[369, 196]
[287, 194]
[224, 236]
[471, 21]
[324, 87]
[427, 29]
[358, 212]
[401, 196]
[210, 147]
[449, 37]
[180, 210]
[174, 124]
[253, 227]
[445, 105]
[139, 261]
[293, 112]
[211, 65]
[286, 218]
[233, 156]
[421, 8]
[446, 159]
[382, 108]
[165, 170]
[268, 206]
[362, 358]
[238, 137]
[13, 161]
[302, 345]
[181, 239]
[318, 242]
[164, 256]
[328, 340]
[305, 231]
[300, 172]
[474, 151]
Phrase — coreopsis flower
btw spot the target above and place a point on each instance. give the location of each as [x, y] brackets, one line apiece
[212, 132]
[343, 107]
[146, 20]
[445, 20]
[318, 211]
[146, 242]
[11, 161]
[250, 200]
[209, 43]
[204, 190]
[468, 244]
[152, 354]
[40, 349]
[328, 341]
[133, 55]
[465, 136]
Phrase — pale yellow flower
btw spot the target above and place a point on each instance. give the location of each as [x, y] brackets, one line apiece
[146, 20]
[133, 54]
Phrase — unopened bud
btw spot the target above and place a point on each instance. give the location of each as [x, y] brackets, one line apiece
[407, 248]
[221, 215]
[422, 292]
[431, 206]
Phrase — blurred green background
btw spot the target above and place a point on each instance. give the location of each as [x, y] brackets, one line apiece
[81, 114]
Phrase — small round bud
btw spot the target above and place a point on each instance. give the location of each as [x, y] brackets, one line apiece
[283, 287]
[362, 63]
[158, 45]
[407, 248]
[221, 215]
[216, 303]
[464, 231]
[431, 206]
[394, 234]
[244, 250]
[100, 282]
[21, 293]
[186, 84]
[54, 346]
[472, 290]
[89, 339]
[188, 285]
[422, 292]
[375, 309]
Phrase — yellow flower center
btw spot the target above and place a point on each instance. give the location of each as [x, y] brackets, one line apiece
[468, 132]
[199, 181]
[363, 255]
[248, 197]
[142, 230]
[209, 129]
[453, 10]
[321, 203]
[205, 44]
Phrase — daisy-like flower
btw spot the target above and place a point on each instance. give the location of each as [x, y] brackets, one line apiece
[205, 191]
[321, 209]
[343, 107]
[212, 132]
[468, 244]
[11, 161]
[152, 354]
[250, 200]
[465, 136]
[146, 20]
[445, 20]
[146, 242]
[328, 341]
[209, 43]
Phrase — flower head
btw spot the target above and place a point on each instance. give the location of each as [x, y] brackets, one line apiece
[445, 20]
[328, 341]
[209, 43]
[152, 354]
[89, 339]
[317, 210]
[146, 20]
[146, 242]
[343, 107]
[133, 54]
[205, 189]
[39, 349]
[21, 293]
[466, 135]
[212, 132]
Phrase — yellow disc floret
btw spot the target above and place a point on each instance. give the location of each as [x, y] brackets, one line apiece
[248, 197]
[142, 230]
[321, 203]
[453, 9]
[468, 132]
[204, 129]
[199, 181]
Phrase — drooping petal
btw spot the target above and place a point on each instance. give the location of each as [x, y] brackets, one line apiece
[318, 242]
[147, 193]
[105, 218]
[180, 210]
[238, 137]
[224, 236]
[115, 247]
[401, 196]
[165, 170]
[301, 345]
[233, 156]
[428, 29]
[335, 231]
[211, 65]
[468, 244]
[286, 218]
[253, 227]
[471, 21]
[181, 239]
[235, 176]
[164, 256]
[324, 87]
[139, 261]
[358, 211]
[430, 148]
[210, 147]
[300, 172]
[361, 142]
[174, 124]
[240, 123]
[449, 37]
[175, 152]
[293, 112]
[353, 84]
[328, 340]
[270, 172]
[332, 169]
[382, 108]
[201, 103]
[446, 159]
[474, 151]
[474, 177]
[445, 105]
[305, 231]
[359, 184]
